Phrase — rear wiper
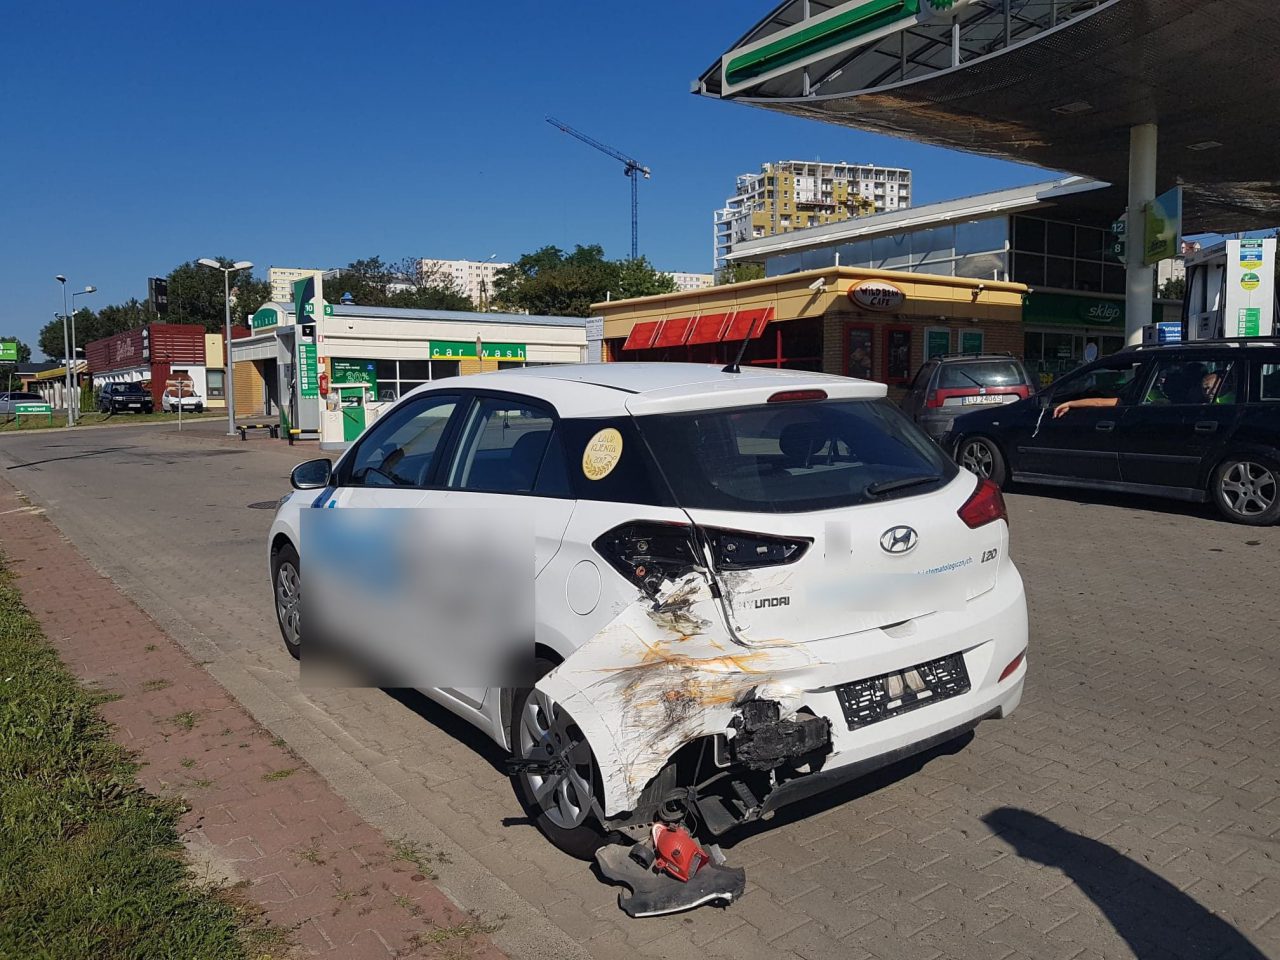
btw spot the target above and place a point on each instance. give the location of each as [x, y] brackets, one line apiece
[885, 486]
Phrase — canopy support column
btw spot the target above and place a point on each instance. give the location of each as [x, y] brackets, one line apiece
[1139, 279]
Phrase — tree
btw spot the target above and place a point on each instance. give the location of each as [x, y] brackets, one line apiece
[196, 295]
[740, 272]
[373, 282]
[1175, 288]
[552, 283]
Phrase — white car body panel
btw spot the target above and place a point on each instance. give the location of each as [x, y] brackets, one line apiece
[642, 678]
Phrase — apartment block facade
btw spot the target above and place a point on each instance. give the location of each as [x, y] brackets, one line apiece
[473, 278]
[793, 194]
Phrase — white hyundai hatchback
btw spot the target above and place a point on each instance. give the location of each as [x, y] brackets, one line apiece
[746, 587]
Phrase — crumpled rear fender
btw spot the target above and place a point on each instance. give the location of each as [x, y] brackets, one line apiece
[658, 676]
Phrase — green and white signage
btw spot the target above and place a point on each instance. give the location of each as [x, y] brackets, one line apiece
[265, 319]
[32, 409]
[346, 371]
[466, 350]
[845, 26]
[1164, 227]
[1250, 288]
[308, 382]
[8, 351]
[937, 341]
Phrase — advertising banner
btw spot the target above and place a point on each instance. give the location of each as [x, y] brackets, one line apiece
[1249, 310]
[1164, 227]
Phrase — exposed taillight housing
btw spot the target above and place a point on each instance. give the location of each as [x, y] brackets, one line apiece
[985, 505]
[650, 552]
[647, 553]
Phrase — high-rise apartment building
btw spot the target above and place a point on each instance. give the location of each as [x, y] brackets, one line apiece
[792, 194]
[281, 280]
[692, 281]
[473, 278]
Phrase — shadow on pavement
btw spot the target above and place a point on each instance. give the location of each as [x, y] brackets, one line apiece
[451, 724]
[1155, 918]
[74, 456]
[1127, 501]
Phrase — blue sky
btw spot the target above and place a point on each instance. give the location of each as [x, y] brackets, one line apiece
[140, 135]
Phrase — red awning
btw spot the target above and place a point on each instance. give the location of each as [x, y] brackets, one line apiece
[709, 328]
[760, 318]
[642, 335]
[674, 332]
[748, 324]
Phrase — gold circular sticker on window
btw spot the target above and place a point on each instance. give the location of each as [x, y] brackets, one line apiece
[603, 452]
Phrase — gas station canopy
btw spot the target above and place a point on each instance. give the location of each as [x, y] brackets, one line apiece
[1055, 83]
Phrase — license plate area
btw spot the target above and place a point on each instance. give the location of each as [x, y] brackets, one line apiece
[983, 399]
[865, 702]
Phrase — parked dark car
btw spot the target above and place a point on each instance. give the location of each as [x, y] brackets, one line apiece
[947, 386]
[115, 397]
[1194, 421]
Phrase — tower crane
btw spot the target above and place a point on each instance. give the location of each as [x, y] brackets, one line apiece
[632, 168]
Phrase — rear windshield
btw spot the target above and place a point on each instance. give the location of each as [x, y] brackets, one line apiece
[794, 457]
[987, 373]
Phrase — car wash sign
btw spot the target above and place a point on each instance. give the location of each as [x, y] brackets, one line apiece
[846, 26]
[466, 350]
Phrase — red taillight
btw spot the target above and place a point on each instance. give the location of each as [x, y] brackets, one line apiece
[984, 506]
[935, 400]
[1014, 664]
[786, 396]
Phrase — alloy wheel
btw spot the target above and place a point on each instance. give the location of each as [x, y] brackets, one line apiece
[975, 456]
[288, 602]
[1248, 489]
[547, 733]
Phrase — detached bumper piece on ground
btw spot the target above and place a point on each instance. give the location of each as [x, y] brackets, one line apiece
[669, 872]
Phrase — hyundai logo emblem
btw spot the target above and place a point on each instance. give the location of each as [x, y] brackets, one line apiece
[899, 540]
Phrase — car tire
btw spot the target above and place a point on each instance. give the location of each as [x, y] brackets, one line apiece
[286, 591]
[981, 456]
[564, 815]
[1246, 489]
[199, 408]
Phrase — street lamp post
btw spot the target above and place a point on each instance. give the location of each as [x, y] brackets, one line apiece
[229, 380]
[79, 293]
[66, 343]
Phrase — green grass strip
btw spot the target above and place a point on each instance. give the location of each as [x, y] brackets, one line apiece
[90, 864]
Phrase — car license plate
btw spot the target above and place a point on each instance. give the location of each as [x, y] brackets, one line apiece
[133, 405]
[865, 702]
[983, 398]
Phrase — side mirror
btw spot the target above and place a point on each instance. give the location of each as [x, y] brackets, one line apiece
[311, 475]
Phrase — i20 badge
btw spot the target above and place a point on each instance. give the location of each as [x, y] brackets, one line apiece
[899, 540]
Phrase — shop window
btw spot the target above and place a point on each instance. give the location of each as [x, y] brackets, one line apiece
[1091, 244]
[415, 370]
[1059, 272]
[897, 354]
[1113, 278]
[982, 266]
[1028, 235]
[931, 246]
[1033, 346]
[1028, 268]
[981, 236]
[440, 369]
[859, 351]
[216, 384]
[386, 370]
[1088, 276]
[1060, 239]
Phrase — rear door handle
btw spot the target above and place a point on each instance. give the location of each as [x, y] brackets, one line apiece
[1105, 426]
[1206, 426]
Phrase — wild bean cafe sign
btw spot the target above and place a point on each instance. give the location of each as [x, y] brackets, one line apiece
[877, 295]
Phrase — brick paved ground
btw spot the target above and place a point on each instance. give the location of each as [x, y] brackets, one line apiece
[258, 816]
[1129, 808]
